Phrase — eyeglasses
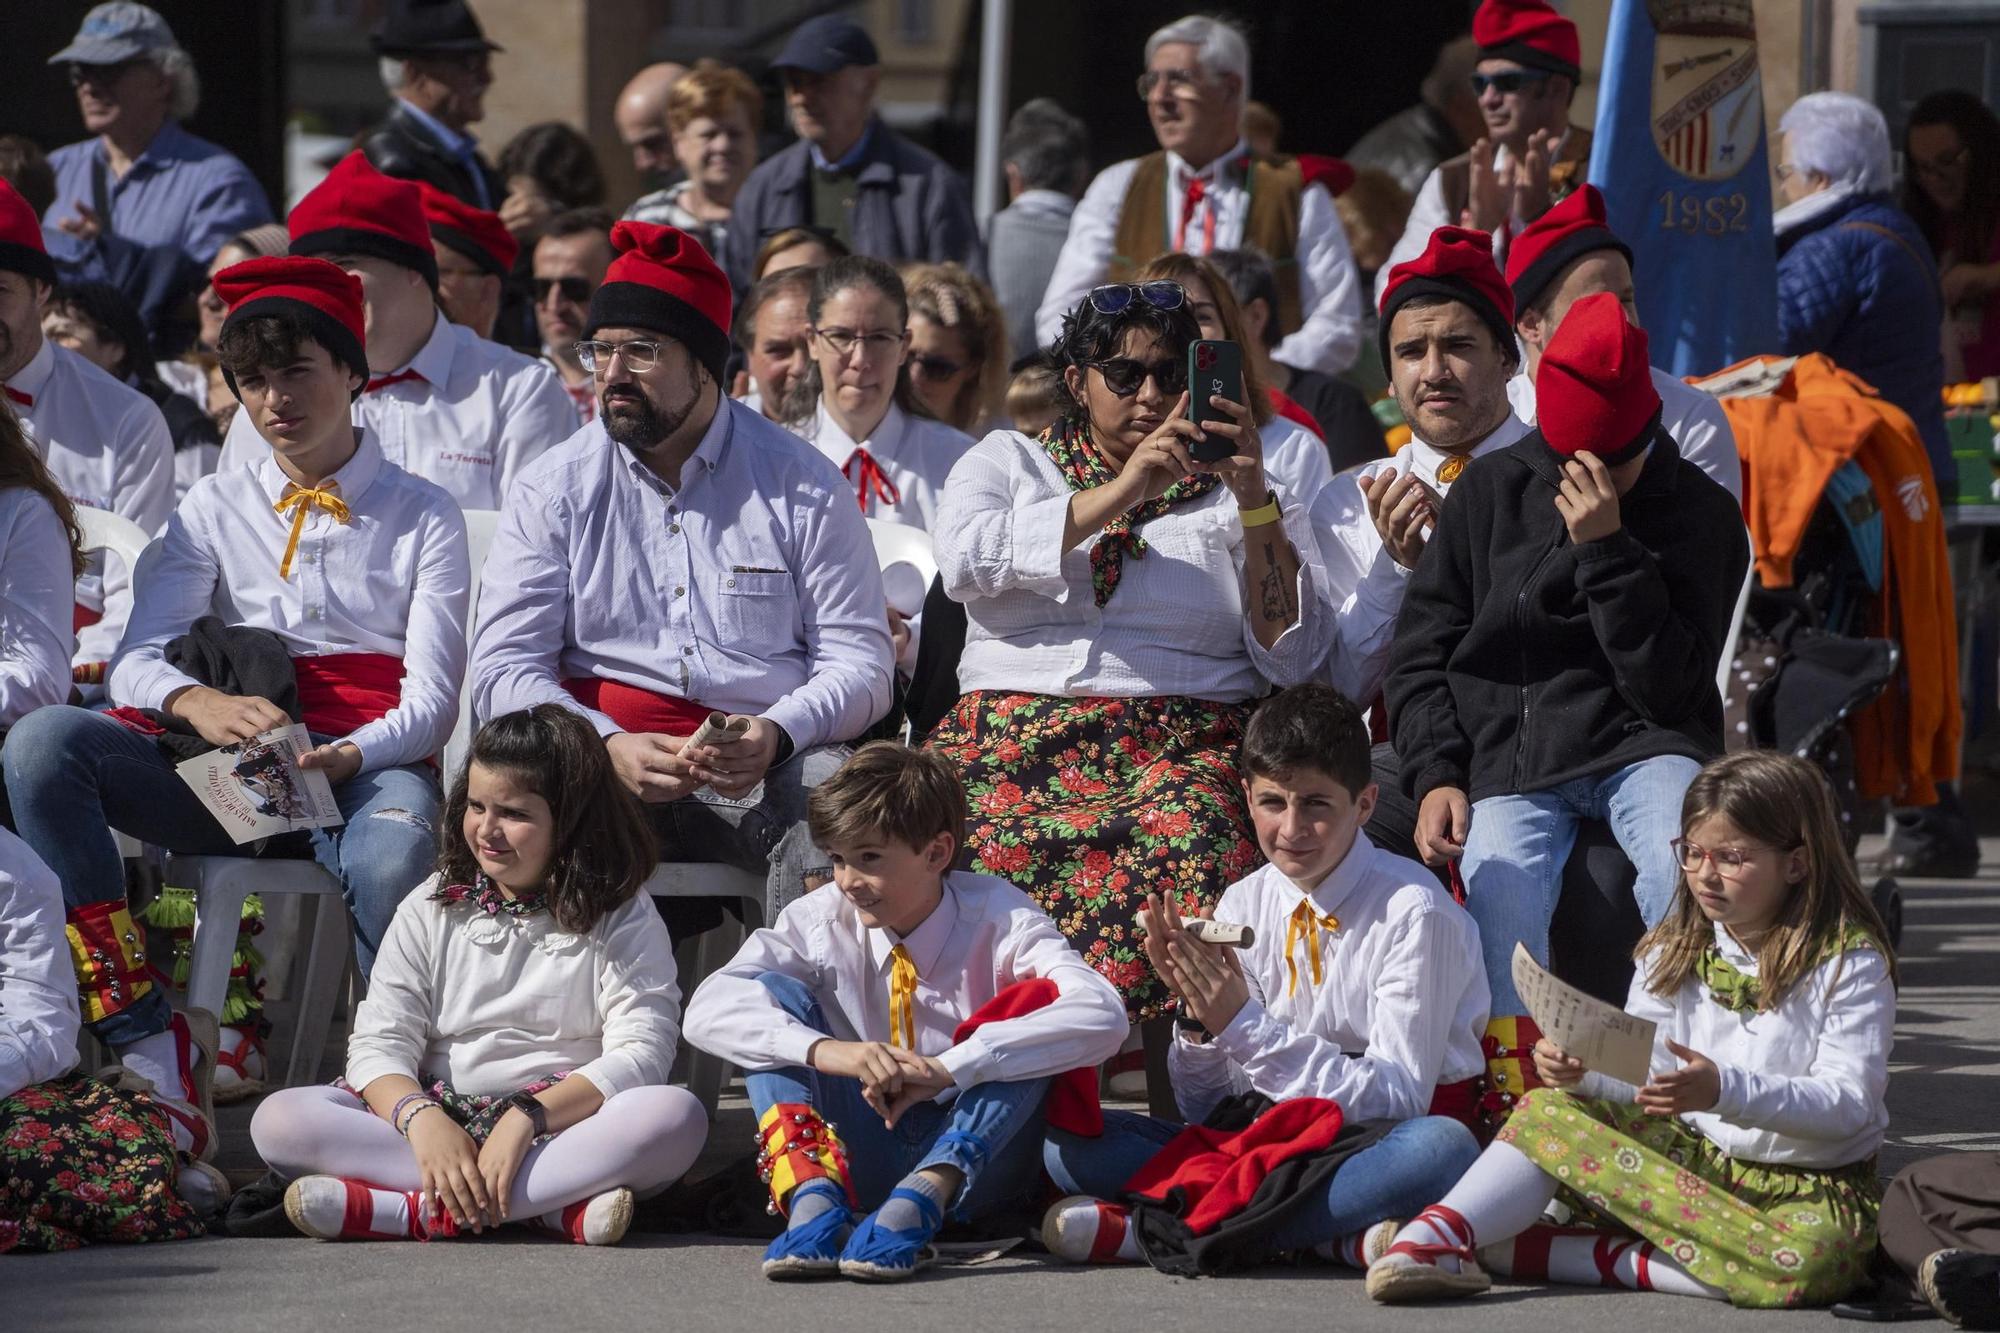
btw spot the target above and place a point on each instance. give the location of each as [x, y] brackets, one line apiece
[640, 355]
[1513, 81]
[933, 367]
[879, 343]
[1180, 82]
[1116, 297]
[1730, 862]
[1124, 375]
[574, 290]
[80, 74]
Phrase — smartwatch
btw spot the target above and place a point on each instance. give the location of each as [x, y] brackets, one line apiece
[538, 1114]
[1191, 1025]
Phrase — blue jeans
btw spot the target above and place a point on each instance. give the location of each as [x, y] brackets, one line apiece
[74, 775]
[992, 1133]
[764, 832]
[1398, 1176]
[1517, 846]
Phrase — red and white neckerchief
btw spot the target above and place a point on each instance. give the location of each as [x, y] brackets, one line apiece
[384, 381]
[1197, 196]
[868, 477]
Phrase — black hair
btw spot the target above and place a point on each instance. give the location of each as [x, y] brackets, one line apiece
[26, 167]
[1088, 337]
[1249, 273]
[603, 847]
[1979, 134]
[578, 222]
[557, 158]
[111, 313]
[1308, 726]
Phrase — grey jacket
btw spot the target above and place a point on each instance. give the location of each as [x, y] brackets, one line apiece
[910, 206]
[1024, 238]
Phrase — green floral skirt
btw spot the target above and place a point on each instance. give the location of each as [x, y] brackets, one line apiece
[1767, 1235]
[1091, 804]
[82, 1162]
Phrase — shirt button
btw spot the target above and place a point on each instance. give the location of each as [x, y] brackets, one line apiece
[680, 592]
[674, 528]
[730, 584]
[688, 651]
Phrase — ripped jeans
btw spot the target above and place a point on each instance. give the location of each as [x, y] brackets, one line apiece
[74, 775]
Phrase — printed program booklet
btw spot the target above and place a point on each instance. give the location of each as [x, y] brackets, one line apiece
[255, 788]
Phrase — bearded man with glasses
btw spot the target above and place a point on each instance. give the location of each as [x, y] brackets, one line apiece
[1531, 156]
[682, 556]
[1125, 603]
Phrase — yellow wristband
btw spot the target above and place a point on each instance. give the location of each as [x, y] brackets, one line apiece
[1262, 515]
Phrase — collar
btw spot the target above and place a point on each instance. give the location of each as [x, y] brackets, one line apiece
[433, 360]
[1179, 171]
[1813, 207]
[453, 142]
[33, 378]
[853, 157]
[1735, 954]
[925, 944]
[159, 153]
[1332, 893]
[1426, 458]
[708, 455]
[1045, 201]
[832, 440]
[353, 478]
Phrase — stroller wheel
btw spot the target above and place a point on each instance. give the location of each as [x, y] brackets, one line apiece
[1888, 901]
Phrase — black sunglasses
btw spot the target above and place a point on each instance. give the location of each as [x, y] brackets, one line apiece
[1116, 297]
[1125, 375]
[80, 74]
[934, 367]
[576, 290]
[1513, 81]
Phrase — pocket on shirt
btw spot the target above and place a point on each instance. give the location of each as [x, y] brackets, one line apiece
[756, 607]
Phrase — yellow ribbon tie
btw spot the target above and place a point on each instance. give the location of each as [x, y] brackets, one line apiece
[301, 502]
[902, 999]
[1305, 924]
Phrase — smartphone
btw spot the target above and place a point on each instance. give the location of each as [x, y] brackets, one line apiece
[1215, 367]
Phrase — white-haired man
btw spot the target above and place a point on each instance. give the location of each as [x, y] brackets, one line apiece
[142, 204]
[1205, 190]
[437, 65]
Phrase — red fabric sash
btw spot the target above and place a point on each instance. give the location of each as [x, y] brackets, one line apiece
[636, 710]
[1459, 1101]
[341, 692]
[1291, 409]
[83, 618]
[1072, 1102]
[1221, 1170]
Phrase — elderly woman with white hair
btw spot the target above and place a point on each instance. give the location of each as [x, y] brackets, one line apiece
[1856, 279]
[144, 204]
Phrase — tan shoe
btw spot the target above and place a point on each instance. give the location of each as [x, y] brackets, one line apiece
[1402, 1279]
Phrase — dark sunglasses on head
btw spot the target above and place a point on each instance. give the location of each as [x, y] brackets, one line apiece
[1116, 297]
[1513, 81]
[1124, 375]
[573, 289]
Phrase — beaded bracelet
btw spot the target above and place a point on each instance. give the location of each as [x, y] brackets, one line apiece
[402, 1104]
[419, 1109]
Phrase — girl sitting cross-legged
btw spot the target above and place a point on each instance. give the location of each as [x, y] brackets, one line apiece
[509, 1063]
[1744, 1170]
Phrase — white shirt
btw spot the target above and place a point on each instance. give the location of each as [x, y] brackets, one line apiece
[752, 587]
[915, 453]
[37, 603]
[109, 448]
[1330, 293]
[1802, 1084]
[491, 1004]
[1176, 624]
[1363, 580]
[480, 414]
[39, 1020]
[1400, 1008]
[984, 936]
[1693, 420]
[394, 580]
[1295, 459]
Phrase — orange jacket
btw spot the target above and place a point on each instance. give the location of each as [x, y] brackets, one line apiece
[1792, 439]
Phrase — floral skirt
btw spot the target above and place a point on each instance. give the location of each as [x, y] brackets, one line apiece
[1090, 804]
[83, 1162]
[1767, 1235]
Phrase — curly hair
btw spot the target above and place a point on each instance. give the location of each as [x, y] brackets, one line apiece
[1088, 337]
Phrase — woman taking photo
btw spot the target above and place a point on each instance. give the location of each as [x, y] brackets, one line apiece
[958, 347]
[1125, 605]
[1951, 190]
[865, 415]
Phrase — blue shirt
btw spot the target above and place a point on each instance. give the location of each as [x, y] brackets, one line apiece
[182, 193]
[461, 146]
[851, 158]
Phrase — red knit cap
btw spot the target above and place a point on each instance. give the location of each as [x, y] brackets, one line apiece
[663, 281]
[22, 249]
[326, 296]
[357, 210]
[1570, 230]
[472, 232]
[1458, 265]
[1594, 389]
[1528, 33]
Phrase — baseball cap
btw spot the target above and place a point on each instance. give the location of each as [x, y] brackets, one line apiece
[117, 32]
[825, 44]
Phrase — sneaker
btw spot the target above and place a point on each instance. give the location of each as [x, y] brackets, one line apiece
[602, 1219]
[240, 1066]
[1963, 1286]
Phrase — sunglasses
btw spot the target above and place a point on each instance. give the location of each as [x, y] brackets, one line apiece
[1513, 81]
[1124, 375]
[103, 75]
[1115, 298]
[933, 367]
[574, 290]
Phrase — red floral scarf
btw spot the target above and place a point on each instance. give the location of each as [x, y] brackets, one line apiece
[1083, 467]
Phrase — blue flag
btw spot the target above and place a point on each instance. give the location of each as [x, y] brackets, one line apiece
[1679, 153]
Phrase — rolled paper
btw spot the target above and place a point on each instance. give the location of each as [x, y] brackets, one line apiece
[1220, 932]
[716, 727]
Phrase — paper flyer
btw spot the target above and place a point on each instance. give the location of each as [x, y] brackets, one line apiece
[256, 788]
[1604, 1037]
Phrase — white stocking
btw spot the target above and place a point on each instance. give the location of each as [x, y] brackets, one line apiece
[1500, 1195]
[1586, 1258]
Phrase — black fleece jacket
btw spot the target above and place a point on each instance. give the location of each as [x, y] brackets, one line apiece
[1522, 661]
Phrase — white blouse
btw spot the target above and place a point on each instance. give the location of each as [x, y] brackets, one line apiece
[1176, 624]
[38, 1011]
[490, 1004]
[37, 600]
[1802, 1084]
[915, 454]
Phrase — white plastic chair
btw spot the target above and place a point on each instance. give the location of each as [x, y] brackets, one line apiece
[479, 528]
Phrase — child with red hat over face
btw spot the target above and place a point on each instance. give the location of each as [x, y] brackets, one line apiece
[1555, 655]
